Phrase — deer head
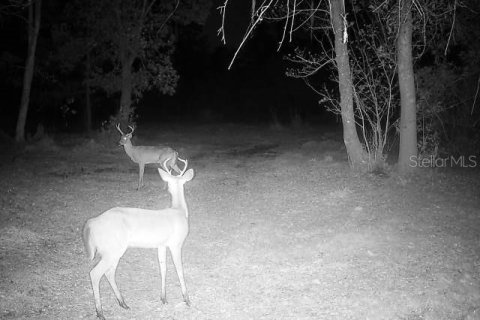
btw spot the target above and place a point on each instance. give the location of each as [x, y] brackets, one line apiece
[125, 137]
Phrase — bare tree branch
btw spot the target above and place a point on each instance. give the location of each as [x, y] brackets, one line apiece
[453, 25]
[260, 12]
[221, 30]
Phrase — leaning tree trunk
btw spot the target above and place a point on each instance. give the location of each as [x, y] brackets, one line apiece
[406, 81]
[34, 16]
[355, 150]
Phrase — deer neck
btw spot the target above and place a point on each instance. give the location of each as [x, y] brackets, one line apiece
[128, 146]
[178, 200]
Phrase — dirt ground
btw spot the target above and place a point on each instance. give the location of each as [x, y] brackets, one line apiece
[279, 229]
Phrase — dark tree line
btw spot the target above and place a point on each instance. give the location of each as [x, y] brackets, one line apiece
[116, 48]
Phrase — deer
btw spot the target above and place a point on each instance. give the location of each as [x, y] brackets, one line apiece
[147, 154]
[111, 233]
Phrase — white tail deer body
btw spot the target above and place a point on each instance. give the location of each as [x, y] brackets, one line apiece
[110, 234]
[148, 154]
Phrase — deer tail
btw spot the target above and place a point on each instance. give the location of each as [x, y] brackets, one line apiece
[88, 243]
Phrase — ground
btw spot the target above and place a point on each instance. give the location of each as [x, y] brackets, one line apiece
[280, 228]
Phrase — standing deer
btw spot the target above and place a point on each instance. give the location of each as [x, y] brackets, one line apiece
[110, 234]
[147, 154]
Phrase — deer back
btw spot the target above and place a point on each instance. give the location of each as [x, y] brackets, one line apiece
[133, 227]
[149, 154]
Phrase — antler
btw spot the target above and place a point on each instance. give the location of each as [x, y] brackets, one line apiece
[184, 167]
[170, 171]
[131, 128]
[165, 166]
[118, 128]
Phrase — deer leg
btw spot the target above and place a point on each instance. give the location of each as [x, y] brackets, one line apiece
[164, 166]
[176, 253]
[141, 168]
[175, 167]
[95, 276]
[162, 261]
[110, 274]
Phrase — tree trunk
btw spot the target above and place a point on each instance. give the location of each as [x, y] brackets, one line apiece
[88, 103]
[406, 81]
[125, 112]
[355, 150]
[34, 16]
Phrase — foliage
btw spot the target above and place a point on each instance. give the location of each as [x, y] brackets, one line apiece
[435, 85]
[110, 29]
[127, 42]
[448, 89]
[447, 121]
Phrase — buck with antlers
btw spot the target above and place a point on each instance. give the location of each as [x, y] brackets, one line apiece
[147, 154]
[110, 234]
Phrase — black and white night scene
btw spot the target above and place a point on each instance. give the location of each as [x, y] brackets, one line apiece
[240, 159]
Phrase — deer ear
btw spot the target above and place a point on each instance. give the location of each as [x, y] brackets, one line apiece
[187, 176]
